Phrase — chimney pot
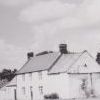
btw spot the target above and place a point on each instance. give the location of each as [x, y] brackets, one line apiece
[63, 48]
[30, 55]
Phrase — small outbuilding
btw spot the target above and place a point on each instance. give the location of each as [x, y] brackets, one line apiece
[8, 92]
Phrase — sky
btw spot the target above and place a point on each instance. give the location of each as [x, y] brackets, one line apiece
[37, 25]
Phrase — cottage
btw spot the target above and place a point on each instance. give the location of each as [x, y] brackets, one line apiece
[69, 75]
[8, 92]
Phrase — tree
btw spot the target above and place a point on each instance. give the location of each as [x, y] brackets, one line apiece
[7, 74]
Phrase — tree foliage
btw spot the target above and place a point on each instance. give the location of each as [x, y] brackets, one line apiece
[7, 74]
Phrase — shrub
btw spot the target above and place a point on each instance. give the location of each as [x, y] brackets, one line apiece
[51, 96]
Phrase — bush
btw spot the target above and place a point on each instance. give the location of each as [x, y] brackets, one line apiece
[51, 96]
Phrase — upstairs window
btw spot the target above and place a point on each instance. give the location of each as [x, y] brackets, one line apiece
[23, 77]
[40, 75]
[30, 76]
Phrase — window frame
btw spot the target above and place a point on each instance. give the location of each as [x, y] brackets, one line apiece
[23, 77]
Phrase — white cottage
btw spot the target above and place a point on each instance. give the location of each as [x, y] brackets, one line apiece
[8, 92]
[70, 75]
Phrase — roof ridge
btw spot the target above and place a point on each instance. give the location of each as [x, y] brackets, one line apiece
[76, 52]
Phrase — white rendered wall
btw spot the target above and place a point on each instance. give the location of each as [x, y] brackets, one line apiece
[65, 85]
[96, 83]
[7, 93]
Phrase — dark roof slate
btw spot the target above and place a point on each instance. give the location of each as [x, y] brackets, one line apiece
[39, 63]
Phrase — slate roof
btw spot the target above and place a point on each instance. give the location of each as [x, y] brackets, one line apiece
[58, 63]
[39, 63]
[65, 62]
[76, 63]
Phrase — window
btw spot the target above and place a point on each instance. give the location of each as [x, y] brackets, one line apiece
[23, 90]
[30, 76]
[41, 89]
[23, 77]
[40, 75]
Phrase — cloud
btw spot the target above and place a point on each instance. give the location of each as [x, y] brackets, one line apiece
[46, 11]
[14, 2]
[89, 12]
[84, 14]
[11, 56]
[55, 22]
[48, 37]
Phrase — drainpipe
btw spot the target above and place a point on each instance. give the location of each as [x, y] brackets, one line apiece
[91, 80]
[92, 90]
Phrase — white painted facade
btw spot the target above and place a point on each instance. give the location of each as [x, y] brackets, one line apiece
[50, 84]
[69, 84]
[3, 93]
[65, 85]
[10, 93]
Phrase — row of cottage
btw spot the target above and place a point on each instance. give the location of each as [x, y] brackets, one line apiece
[66, 74]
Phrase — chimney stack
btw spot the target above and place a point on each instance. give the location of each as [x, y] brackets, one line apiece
[30, 55]
[63, 48]
[98, 58]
